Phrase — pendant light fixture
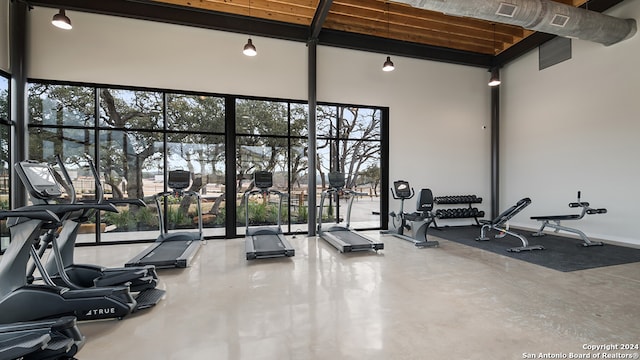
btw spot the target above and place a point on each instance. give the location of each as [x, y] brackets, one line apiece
[495, 77]
[494, 80]
[61, 20]
[388, 64]
[249, 49]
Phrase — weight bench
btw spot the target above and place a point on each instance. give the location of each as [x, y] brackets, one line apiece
[553, 221]
[498, 225]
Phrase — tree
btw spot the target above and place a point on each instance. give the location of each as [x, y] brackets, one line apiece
[127, 150]
[351, 135]
[4, 145]
[263, 128]
[371, 175]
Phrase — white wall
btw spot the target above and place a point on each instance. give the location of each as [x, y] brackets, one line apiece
[570, 127]
[4, 35]
[113, 50]
[573, 127]
[437, 111]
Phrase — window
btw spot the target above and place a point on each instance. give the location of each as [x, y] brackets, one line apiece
[5, 146]
[263, 142]
[138, 136]
[349, 141]
[196, 142]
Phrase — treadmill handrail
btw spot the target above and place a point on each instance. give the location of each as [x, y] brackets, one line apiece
[164, 194]
[245, 198]
[350, 204]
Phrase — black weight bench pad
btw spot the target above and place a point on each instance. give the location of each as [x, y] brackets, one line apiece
[509, 213]
[557, 217]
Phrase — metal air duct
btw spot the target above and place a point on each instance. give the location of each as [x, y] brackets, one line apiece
[540, 15]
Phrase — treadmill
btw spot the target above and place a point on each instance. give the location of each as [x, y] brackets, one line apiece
[265, 242]
[341, 237]
[173, 249]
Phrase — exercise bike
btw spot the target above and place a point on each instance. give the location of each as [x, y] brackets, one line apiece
[417, 222]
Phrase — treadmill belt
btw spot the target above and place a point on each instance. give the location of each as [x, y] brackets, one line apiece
[351, 238]
[166, 252]
[266, 243]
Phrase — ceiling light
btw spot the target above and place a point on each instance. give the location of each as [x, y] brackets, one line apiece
[249, 49]
[388, 65]
[61, 20]
[495, 77]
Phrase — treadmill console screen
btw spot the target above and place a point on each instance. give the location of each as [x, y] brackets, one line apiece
[263, 180]
[336, 180]
[179, 179]
[402, 189]
[41, 182]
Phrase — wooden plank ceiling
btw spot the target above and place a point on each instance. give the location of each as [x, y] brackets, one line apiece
[382, 19]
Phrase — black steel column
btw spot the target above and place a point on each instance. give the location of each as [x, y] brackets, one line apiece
[384, 171]
[230, 168]
[19, 133]
[495, 151]
[311, 125]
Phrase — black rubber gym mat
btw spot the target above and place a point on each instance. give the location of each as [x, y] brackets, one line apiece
[560, 253]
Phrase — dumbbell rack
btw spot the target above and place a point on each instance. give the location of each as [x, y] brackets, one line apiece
[459, 213]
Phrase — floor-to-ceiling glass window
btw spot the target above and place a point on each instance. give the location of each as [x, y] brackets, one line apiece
[139, 136]
[349, 142]
[130, 134]
[62, 125]
[195, 142]
[298, 167]
[5, 146]
[262, 130]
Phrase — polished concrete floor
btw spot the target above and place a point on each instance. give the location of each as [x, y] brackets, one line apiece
[451, 302]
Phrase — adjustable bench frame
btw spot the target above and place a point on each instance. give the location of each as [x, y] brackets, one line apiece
[554, 222]
[499, 222]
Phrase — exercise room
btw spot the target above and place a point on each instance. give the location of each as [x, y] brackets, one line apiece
[319, 180]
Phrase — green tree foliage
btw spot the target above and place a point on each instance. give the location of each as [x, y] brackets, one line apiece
[371, 175]
[264, 127]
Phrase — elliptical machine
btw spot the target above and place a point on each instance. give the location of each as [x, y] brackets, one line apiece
[44, 339]
[20, 301]
[61, 265]
[420, 220]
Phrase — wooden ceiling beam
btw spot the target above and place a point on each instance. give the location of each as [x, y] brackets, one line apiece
[291, 12]
[409, 34]
[376, 22]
